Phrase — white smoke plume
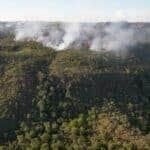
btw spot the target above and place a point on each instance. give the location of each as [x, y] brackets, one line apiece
[114, 37]
[56, 36]
[28, 30]
[94, 36]
[72, 32]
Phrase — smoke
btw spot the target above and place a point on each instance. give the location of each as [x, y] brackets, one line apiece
[28, 31]
[58, 36]
[72, 32]
[94, 36]
[114, 37]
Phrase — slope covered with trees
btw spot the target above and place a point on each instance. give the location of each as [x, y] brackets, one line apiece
[73, 99]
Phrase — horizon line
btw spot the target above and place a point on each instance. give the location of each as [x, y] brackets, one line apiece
[60, 21]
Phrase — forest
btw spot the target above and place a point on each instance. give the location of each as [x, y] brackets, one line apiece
[74, 99]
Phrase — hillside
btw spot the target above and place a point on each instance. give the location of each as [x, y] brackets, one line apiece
[73, 99]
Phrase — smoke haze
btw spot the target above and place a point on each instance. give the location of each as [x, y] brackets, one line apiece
[94, 36]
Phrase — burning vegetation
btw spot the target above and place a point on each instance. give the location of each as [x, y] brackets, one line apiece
[74, 86]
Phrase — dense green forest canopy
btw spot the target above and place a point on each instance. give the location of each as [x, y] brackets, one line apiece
[73, 99]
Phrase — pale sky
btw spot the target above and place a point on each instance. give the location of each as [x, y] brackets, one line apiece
[75, 10]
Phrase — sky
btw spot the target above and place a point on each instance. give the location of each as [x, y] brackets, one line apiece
[75, 10]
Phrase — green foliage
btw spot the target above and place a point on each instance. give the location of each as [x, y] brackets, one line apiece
[72, 99]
